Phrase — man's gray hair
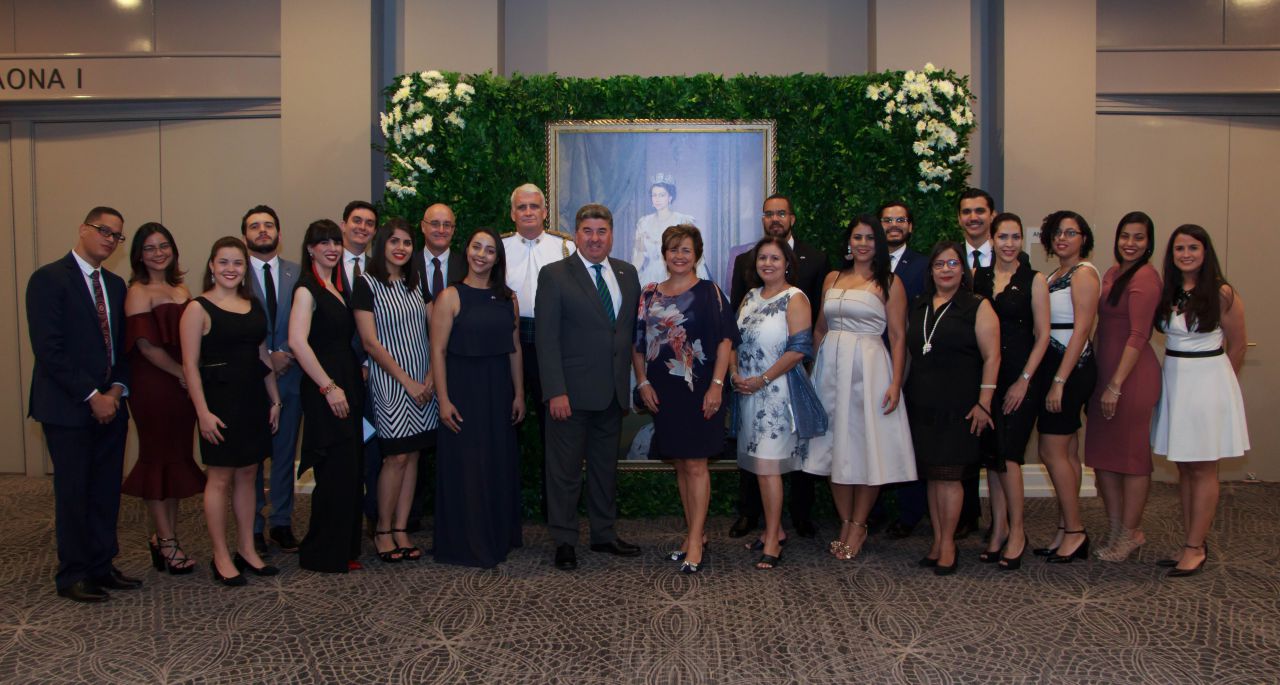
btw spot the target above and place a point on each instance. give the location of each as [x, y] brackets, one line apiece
[528, 188]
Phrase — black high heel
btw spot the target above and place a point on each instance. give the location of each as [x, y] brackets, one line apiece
[237, 580]
[170, 561]
[1082, 552]
[410, 553]
[1184, 572]
[1171, 563]
[391, 556]
[1046, 551]
[940, 570]
[1013, 563]
[155, 555]
[244, 565]
[992, 557]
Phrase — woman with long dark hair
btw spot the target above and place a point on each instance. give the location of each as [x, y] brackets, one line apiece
[953, 336]
[1117, 445]
[1068, 374]
[166, 470]
[476, 364]
[1020, 297]
[1200, 418]
[868, 441]
[228, 372]
[332, 395]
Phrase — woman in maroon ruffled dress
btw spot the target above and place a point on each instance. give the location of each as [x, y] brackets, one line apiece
[166, 471]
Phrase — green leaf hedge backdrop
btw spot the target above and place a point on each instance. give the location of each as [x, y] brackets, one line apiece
[845, 144]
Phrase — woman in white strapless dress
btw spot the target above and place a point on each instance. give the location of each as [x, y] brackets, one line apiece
[868, 441]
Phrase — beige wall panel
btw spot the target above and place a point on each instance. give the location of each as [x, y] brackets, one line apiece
[609, 37]
[214, 170]
[1253, 22]
[1254, 241]
[938, 31]
[6, 26]
[237, 26]
[84, 26]
[452, 35]
[1123, 23]
[11, 400]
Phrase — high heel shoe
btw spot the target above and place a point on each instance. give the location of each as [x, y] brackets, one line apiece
[391, 556]
[940, 570]
[1123, 544]
[410, 553]
[991, 557]
[1171, 563]
[679, 554]
[1081, 552]
[1013, 563]
[1047, 551]
[244, 565]
[1176, 572]
[155, 555]
[168, 555]
[237, 580]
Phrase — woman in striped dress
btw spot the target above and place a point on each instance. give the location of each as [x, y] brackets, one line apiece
[391, 315]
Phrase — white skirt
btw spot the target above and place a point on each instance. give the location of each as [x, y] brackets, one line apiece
[1200, 416]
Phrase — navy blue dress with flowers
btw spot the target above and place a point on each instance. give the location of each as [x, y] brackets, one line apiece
[679, 336]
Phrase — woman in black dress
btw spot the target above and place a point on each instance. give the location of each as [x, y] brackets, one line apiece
[475, 361]
[320, 334]
[953, 337]
[1020, 297]
[228, 374]
[684, 339]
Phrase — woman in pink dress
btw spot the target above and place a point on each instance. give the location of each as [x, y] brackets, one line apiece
[1117, 444]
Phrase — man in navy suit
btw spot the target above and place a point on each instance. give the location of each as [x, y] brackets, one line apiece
[273, 278]
[75, 314]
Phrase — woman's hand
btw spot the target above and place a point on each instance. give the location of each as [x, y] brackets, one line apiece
[209, 425]
[273, 416]
[517, 410]
[891, 398]
[337, 400]
[979, 419]
[649, 397]
[712, 400]
[450, 417]
[1014, 395]
[1110, 399]
[429, 387]
[1053, 401]
[748, 386]
[417, 391]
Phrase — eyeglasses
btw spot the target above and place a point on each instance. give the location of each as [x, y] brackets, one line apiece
[448, 225]
[152, 249]
[890, 220]
[941, 264]
[107, 233]
[1070, 233]
[780, 214]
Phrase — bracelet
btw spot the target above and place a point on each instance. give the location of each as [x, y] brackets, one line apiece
[1059, 380]
[985, 386]
[333, 385]
[717, 381]
[1026, 376]
[766, 379]
[278, 405]
[1113, 390]
[642, 383]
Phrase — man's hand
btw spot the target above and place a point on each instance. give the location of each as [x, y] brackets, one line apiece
[559, 406]
[104, 407]
[281, 361]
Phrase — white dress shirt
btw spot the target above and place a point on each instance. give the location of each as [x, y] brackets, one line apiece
[348, 265]
[610, 280]
[87, 270]
[984, 254]
[431, 269]
[895, 256]
[525, 258]
[257, 264]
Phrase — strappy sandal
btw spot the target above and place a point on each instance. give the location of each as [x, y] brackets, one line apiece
[410, 553]
[176, 561]
[390, 556]
[768, 562]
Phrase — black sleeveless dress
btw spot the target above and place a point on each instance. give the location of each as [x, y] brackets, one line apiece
[232, 375]
[478, 468]
[1008, 442]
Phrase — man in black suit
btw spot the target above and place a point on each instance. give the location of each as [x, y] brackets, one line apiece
[812, 266]
[75, 314]
[586, 317]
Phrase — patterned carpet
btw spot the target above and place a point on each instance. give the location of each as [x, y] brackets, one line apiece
[813, 620]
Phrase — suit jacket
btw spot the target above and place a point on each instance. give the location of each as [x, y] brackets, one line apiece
[580, 353]
[812, 266]
[71, 357]
[456, 268]
[913, 269]
[278, 330]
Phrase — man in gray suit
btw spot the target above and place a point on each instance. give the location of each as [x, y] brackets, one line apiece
[273, 279]
[586, 315]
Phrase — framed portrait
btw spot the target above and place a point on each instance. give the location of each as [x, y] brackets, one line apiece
[656, 173]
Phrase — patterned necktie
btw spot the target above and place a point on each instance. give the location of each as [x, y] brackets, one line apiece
[355, 270]
[100, 303]
[269, 285]
[605, 298]
[437, 280]
[976, 263]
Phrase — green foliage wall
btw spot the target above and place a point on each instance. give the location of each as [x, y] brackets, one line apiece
[845, 144]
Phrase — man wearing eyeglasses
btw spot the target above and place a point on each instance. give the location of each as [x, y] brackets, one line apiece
[778, 219]
[75, 315]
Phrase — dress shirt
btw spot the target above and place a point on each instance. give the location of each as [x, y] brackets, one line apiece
[610, 280]
[257, 264]
[895, 256]
[87, 270]
[525, 257]
[348, 264]
[984, 254]
[431, 269]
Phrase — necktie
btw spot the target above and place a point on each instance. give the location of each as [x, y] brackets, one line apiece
[100, 303]
[437, 279]
[976, 263]
[355, 270]
[269, 285]
[605, 298]
[530, 276]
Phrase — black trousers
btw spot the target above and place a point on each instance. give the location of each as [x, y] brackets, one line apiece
[591, 436]
[333, 536]
[535, 405]
[88, 467]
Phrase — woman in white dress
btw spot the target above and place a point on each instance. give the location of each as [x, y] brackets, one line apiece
[1200, 418]
[646, 253]
[768, 444]
[859, 381]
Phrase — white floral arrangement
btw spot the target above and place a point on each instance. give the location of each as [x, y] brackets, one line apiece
[928, 102]
[418, 106]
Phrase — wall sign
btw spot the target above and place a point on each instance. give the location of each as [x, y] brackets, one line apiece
[139, 77]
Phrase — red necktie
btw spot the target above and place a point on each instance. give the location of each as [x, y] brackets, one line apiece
[100, 302]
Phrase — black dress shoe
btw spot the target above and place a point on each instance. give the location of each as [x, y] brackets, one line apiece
[85, 591]
[618, 547]
[566, 558]
[259, 543]
[898, 530]
[283, 537]
[742, 526]
[805, 528]
[964, 529]
[115, 580]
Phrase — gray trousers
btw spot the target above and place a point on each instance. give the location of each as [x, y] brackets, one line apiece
[593, 436]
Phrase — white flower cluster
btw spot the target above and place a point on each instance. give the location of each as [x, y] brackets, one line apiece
[408, 125]
[931, 103]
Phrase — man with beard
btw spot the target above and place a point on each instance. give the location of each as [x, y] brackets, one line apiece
[273, 278]
[812, 266]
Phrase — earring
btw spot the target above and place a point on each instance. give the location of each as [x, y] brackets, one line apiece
[848, 253]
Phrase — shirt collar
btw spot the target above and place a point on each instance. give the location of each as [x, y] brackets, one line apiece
[897, 254]
[259, 263]
[984, 248]
[347, 255]
[85, 267]
[443, 256]
[591, 265]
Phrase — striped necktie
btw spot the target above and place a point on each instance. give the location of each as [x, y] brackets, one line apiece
[605, 298]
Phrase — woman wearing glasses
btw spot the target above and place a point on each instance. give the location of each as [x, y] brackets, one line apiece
[166, 470]
[1069, 373]
[953, 336]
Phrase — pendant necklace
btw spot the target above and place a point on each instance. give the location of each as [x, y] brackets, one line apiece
[928, 334]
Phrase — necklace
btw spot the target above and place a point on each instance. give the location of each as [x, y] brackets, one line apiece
[928, 334]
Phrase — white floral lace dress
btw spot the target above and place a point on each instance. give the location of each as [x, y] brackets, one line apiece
[767, 440]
